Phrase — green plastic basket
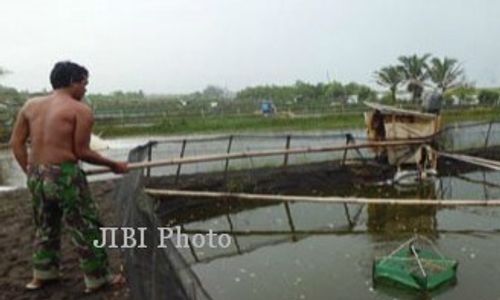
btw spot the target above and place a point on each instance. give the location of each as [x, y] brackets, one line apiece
[415, 267]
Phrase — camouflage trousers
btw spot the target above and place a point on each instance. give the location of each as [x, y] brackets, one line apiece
[60, 193]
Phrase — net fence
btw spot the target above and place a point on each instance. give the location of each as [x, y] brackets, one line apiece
[166, 273]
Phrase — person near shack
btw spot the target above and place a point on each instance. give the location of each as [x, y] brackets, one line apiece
[433, 103]
[58, 127]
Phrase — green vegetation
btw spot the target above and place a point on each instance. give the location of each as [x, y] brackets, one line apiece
[10, 101]
[446, 73]
[392, 77]
[235, 124]
[488, 97]
[415, 72]
[472, 114]
[300, 106]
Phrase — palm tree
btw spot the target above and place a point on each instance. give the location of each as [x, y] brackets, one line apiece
[445, 73]
[3, 72]
[415, 73]
[391, 77]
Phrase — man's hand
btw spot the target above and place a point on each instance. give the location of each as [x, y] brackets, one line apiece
[120, 167]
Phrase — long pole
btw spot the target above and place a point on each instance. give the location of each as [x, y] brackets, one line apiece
[207, 158]
[487, 163]
[351, 200]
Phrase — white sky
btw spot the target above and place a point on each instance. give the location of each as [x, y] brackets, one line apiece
[179, 46]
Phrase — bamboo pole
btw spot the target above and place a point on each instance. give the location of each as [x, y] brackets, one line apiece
[229, 145]
[351, 200]
[487, 163]
[488, 135]
[208, 158]
[179, 166]
[469, 158]
[287, 147]
[150, 157]
[340, 231]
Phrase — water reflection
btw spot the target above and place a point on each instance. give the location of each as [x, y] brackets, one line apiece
[395, 219]
[255, 224]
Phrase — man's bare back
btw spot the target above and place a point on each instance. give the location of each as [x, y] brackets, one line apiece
[59, 127]
[52, 121]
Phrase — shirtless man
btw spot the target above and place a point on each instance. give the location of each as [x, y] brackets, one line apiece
[58, 128]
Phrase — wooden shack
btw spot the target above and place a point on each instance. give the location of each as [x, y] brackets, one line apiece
[388, 123]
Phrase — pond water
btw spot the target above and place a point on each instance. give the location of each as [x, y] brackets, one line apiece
[320, 251]
[11, 175]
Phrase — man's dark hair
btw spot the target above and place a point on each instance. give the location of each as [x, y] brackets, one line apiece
[65, 73]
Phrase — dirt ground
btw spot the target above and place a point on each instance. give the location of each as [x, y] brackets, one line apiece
[16, 247]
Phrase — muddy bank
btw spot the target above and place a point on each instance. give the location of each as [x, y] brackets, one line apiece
[16, 246]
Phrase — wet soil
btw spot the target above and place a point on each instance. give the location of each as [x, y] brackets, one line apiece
[16, 248]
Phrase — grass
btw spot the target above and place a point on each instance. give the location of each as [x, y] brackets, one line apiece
[257, 123]
[235, 124]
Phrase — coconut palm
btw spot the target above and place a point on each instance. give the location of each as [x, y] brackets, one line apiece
[3, 71]
[414, 68]
[392, 77]
[446, 73]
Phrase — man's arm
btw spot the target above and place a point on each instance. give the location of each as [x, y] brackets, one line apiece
[18, 139]
[83, 131]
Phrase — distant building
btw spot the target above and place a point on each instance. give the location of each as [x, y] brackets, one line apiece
[404, 96]
[400, 95]
[352, 99]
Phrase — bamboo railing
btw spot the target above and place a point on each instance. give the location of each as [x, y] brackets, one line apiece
[340, 200]
[240, 155]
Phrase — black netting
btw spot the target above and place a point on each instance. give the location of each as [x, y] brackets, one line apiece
[153, 273]
[165, 273]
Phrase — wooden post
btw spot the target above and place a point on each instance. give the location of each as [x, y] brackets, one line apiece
[229, 144]
[150, 156]
[290, 221]
[193, 253]
[180, 164]
[287, 147]
[353, 141]
[347, 142]
[231, 228]
[348, 215]
[488, 135]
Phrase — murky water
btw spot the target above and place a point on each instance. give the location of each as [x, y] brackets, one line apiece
[322, 251]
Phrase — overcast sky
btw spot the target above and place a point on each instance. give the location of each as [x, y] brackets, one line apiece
[179, 46]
